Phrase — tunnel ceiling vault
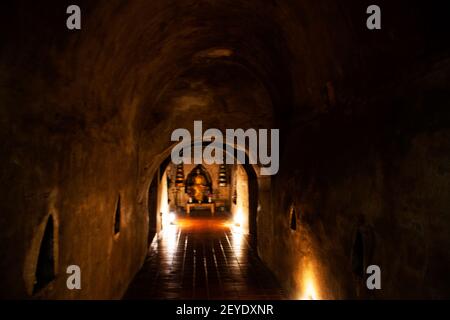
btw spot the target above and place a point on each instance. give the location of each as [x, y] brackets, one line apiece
[222, 95]
[131, 54]
[128, 54]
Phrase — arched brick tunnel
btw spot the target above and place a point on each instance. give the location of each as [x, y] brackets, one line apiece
[87, 116]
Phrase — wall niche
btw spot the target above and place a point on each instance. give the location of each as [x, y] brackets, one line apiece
[293, 218]
[45, 268]
[117, 216]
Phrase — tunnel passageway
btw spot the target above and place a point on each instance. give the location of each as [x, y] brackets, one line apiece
[94, 121]
[203, 258]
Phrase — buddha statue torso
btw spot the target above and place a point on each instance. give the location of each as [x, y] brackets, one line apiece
[199, 186]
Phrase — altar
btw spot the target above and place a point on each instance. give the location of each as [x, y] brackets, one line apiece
[210, 206]
[199, 191]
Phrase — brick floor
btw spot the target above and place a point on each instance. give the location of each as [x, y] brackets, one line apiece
[203, 258]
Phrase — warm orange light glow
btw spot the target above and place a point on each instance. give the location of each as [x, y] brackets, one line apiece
[238, 217]
[172, 217]
[309, 282]
[310, 292]
[168, 218]
[193, 224]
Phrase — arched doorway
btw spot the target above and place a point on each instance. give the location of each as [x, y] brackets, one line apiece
[243, 213]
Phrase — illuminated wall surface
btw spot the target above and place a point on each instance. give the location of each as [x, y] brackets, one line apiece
[339, 188]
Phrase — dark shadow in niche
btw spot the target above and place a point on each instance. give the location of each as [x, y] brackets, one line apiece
[117, 217]
[293, 219]
[45, 269]
[358, 255]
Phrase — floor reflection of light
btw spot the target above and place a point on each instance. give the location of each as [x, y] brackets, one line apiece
[171, 236]
[237, 239]
[170, 232]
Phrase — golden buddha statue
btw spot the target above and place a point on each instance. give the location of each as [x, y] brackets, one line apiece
[199, 186]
